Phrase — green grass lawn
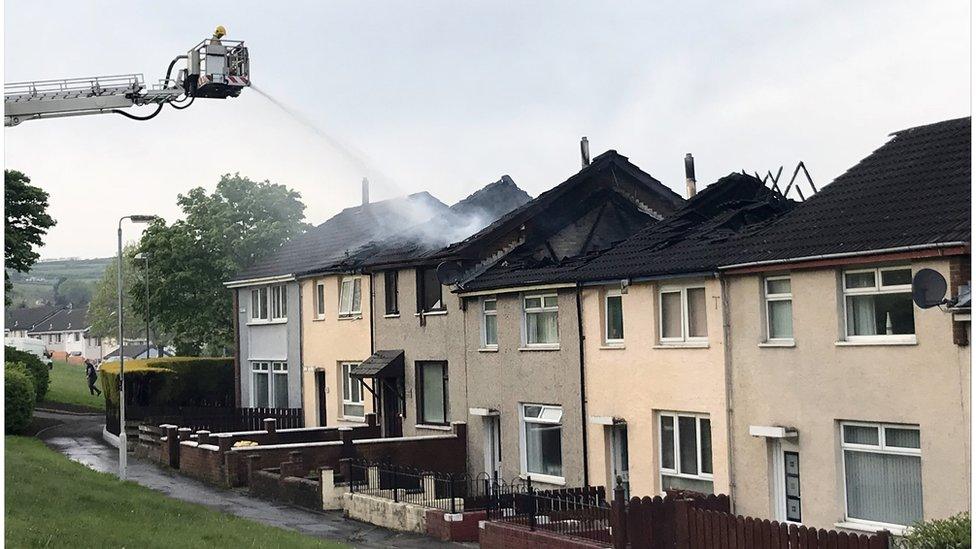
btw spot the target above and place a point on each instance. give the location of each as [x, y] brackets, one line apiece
[54, 502]
[70, 386]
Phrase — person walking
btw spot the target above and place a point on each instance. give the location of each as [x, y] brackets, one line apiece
[92, 375]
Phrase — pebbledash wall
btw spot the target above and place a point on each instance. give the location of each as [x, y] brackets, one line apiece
[819, 380]
[328, 341]
[504, 378]
[630, 383]
[270, 341]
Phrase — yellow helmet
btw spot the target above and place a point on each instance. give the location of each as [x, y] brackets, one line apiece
[220, 31]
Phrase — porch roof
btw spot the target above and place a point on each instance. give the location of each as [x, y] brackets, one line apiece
[387, 363]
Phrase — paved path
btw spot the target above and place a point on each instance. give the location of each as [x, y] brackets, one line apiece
[80, 438]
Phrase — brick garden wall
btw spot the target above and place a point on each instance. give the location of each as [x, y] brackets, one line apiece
[465, 529]
[202, 462]
[499, 535]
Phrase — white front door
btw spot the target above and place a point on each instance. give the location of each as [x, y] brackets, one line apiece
[493, 446]
[619, 458]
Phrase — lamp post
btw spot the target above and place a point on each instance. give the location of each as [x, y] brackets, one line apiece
[122, 438]
[145, 257]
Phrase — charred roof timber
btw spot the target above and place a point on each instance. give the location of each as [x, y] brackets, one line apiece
[690, 175]
[585, 151]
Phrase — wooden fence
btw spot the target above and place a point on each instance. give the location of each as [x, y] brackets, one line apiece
[211, 418]
[681, 521]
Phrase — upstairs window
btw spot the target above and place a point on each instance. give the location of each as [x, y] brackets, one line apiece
[279, 302]
[489, 325]
[682, 315]
[429, 297]
[882, 473]
[779, 308]
[259, 303]
[614, 312]
[350, 297]
[391, 292]
[878, 304]
[541, 319]
[320, 300]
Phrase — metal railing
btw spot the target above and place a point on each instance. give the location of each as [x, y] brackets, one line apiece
[93, 85]
[573, 512]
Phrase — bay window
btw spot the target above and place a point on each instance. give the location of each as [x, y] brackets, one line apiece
[878, 304]
[614, 317]
[432, 392]
[541, 438]
[489, 322]
[686, 451]
[779, 308]
[882, 473]
[352, 394]
[350, 297]
[541, 319]
[682, 315]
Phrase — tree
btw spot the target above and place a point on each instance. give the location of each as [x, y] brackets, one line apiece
[73, 292]
[26, 221]
[240, 223]
[104, 302]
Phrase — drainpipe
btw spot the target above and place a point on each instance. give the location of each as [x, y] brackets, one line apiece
[727, 335]
[235, 299]
[579, 327]
[301, 352]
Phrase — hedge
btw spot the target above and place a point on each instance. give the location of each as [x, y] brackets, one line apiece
[39, 372]
[171, 381]
[18, 398]
[949, 533]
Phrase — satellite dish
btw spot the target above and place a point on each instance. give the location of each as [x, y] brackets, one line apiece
[449, 272]
[928, 288]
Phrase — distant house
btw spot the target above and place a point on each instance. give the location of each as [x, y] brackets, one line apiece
[18, 322]
[66, 334]
[135, 351]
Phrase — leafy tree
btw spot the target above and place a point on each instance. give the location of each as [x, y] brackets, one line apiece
[223, 232]
[73, 292]
[26, 221]
[104, 302]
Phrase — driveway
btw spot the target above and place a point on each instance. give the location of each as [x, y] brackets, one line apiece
[79, 437]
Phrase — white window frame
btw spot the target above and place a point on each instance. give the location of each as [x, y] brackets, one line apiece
[319, 298]
[685, 318]
[676, 471]
[606, 314]
[880, 448]
[526, 311]
[347, 400]
[877, 289]
[523, 448]
[278, 303]
[768, 298]
[273, 369]
[485, 313]
[260, 311]
[356, 284]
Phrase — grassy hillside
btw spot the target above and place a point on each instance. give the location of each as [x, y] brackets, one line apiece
[38, 284]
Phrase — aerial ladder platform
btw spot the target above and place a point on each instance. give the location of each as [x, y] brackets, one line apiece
[214, 69]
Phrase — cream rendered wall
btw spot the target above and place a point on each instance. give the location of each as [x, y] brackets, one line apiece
[329, 341]
[816, 383]
[635, 382]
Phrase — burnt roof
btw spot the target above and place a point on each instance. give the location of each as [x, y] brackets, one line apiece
[25, 318]
[65, 320]
[696, 238]
[333, 240]
[913, 190]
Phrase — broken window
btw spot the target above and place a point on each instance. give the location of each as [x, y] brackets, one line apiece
[391, 292]
[350, 297]
[542, 454]
[428, 291]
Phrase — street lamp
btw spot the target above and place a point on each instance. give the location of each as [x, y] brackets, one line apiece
[122, 438]
[145, 257]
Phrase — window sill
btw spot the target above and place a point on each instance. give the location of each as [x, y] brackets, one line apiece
[266, 322]
[612, 347]
[432, 313]
[872, 527]
[546, 479]
[433, 427]
[865, 343]
[396, 315]
[318, 318]
[351, 317]
[488, 350]
[773, 344]
[539, 348]
[684, 345]
[353, 419]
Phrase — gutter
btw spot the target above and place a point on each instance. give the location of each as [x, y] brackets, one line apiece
[261, 280]
[582, 370]
[516, 289]
[846, 254]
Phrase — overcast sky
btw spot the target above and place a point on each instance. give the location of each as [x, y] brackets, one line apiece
[447, 96]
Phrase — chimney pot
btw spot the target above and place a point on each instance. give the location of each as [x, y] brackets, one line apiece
[585, 151]
[365, 191]
[690, 175]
